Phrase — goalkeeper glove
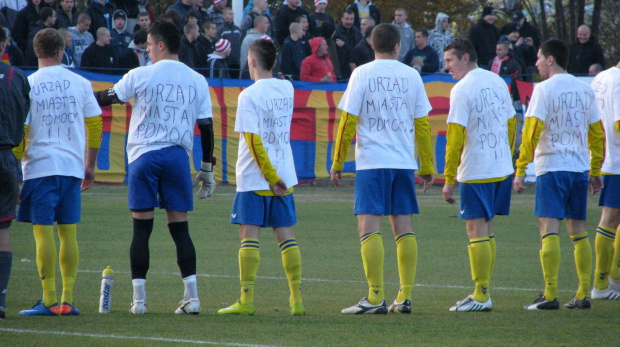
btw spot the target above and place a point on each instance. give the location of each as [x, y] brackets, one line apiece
[207, 182]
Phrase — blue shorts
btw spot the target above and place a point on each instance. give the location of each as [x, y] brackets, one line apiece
[562, 194]
[610, 195]
[162, 179]
[51, 199]
[385, 192]
[485, 200]
[266, 211]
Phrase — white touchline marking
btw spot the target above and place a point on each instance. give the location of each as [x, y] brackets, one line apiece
[124, 337]
[325, 280]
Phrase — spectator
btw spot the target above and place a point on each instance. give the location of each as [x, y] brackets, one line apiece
[144, 22]
[173, 16]
[292, 53]
[422, 57]
[217, 60]
[99, 12]
[10, 10]
[100, 56]
[259, 9]
[120, 37]
[484, 36]
[24, 19]
[522, 50]
[189, 51]
[584, 52]
[368, 22]
[229, 31]
[182, 7]
[67, 58]
[346, 37]
[136, 54]
[594, 69]
[319, 16]
[13, 55]
[406, 32]
[201, 11]
[215, 13]
[505, 65]
[287, 15]
[67, 14]
[317, 67]
[131, 9]
[81, 38]
[207, 40]
[261, 27]
[363, 52]
[440, 37]
[191, 17]
[47, 19]
[306, 36]
[327, 32]
[526, 30]
[363, 9]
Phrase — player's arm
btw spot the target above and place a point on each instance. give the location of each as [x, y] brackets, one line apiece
[512, 133]
[255, 144]
[531, 134]
[423, 139]
[205, 174]
[21, 149]
[596, 144]
[456, 137]
[346, 131]
[94, 128]
[107, 97]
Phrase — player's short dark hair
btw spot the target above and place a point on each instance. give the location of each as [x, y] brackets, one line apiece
[265, 53]
[556, 49]
[166, 32]
[139, 37]
[385, 37]
[45, 13]
[424, 32]
[47, 42]
[461, 46]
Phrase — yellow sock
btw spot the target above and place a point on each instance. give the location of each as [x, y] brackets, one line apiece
[583, 263]
[493, 251]
[604, 249]
[249, 259]
[372, 257]
[69, 259]
[46, 261]
[480, 263]
[291, 260]
[407, 255]
[550, 262]
[614, 271]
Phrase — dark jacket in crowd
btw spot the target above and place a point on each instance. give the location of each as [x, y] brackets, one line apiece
[248, 23]
[129, 6]
[583, 55]
[285, 17]
[318, 19]
[428, 56]
[512, 68]
[231, 32]
[351, 38]
[100, 16]
[190, 54]
[99, 59]
[63, 20]
[31, 58]
[374, 13]
[292, 54]
[21, 28]
[484, 37]
[362, 53]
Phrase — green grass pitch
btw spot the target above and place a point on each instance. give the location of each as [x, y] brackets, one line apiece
[333, 278]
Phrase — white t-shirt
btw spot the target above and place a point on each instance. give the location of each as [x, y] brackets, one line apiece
[266, 109]
[387, 96]
[567, 106]
[168, 99]
[481, 103]
[59, 102]
[606, 87]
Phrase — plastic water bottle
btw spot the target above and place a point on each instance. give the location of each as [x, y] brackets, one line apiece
[107, 279]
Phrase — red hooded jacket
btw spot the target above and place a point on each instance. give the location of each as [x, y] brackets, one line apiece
[313, 67]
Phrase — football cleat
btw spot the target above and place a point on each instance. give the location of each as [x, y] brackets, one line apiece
[238, 308]
[39, 309]
[66, 309]
[470, 305]
[138, 307]
[298, 310]
[605, 294]
[400, 307]
[191, 306]
[614, 284]
[364, 307]
[542, 304]
[576, 304]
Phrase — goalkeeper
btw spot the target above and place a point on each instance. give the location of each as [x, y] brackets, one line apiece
[169, 100]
